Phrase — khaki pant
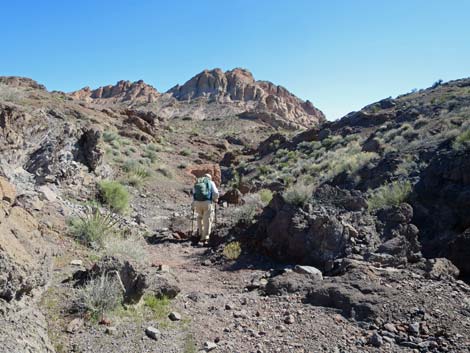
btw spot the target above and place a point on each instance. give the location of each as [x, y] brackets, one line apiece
[205, 217]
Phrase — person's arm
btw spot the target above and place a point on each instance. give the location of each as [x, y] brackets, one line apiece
[215, 192]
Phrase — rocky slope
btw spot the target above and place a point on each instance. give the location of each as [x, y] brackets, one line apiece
[377, 202]
[214, 93]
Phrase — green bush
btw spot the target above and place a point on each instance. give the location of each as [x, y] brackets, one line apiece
[266, 196]
[232, 250]
[92, 228]
[114, 195]
[391, 194]
[298, 194]
[158, 305]
[462, 141]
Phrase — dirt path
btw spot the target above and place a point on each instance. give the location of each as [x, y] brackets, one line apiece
[220, 309]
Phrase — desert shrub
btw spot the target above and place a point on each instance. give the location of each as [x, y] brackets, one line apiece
[130, 248]
[165, 172]
[298, 194]
[419, 123]
[266, 196]
[391, 194]
[232, 250]
[100, 295]
[245, 214]
[114, 195]
[462, 141]
[151, 155]
[109, 136]
[92, 228]
[186, 152]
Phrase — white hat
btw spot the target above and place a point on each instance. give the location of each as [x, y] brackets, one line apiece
[208, 176]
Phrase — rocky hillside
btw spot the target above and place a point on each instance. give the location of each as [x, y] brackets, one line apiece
[214, 93]
[122, 92]
[349, 236]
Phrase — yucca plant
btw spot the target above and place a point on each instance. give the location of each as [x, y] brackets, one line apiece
[92, 227]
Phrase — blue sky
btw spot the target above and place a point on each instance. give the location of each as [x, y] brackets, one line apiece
[341, 55]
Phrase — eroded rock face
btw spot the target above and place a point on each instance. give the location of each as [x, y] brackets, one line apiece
[24, 270]
[263, 100]
[123, 91]
[316, 234]
[198, 171]
[443, 208]
[335, 224]
[88, 149]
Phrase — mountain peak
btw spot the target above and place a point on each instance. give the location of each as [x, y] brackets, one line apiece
[239, 86]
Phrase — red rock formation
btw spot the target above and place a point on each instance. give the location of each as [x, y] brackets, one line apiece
[198, 171]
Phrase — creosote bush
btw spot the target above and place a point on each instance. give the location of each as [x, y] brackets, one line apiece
[114, 195]
[298, 194]
[92, 228]
[391, 194]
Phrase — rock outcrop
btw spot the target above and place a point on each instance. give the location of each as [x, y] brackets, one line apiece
[25, 269]
[121, 92]
[261, 99]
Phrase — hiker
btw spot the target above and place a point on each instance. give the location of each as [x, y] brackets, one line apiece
[205, 193]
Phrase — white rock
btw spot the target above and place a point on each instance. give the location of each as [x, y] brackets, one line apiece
[209, 346]
[309, 270]
[76, 262]
[47, 194]
[152, 332]
[174, 316]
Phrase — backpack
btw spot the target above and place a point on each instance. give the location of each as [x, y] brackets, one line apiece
[203, 189]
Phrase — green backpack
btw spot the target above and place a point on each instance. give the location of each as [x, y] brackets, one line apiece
[203, 189]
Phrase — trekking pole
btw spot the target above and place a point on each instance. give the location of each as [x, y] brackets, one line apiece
[192, 225]
[215, 215]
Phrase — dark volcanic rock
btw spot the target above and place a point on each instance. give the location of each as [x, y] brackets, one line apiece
[318, 233]
[443, 207]
[88, 150]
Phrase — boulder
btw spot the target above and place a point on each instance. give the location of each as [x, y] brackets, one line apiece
[233, 197]
[198, 171]
[289, 282]
[441, 268]
[134, 280]
[310, 271]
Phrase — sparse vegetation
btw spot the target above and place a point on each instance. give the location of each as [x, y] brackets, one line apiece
[246, 213]
[462, 141]
[232, 250]
[100, 295]
[298, 194]
[109, 136]
[391, 194]
[132, 248]
[159, 306]
[186, 152]
[266, 196]
[91, 228]
[114, 195]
